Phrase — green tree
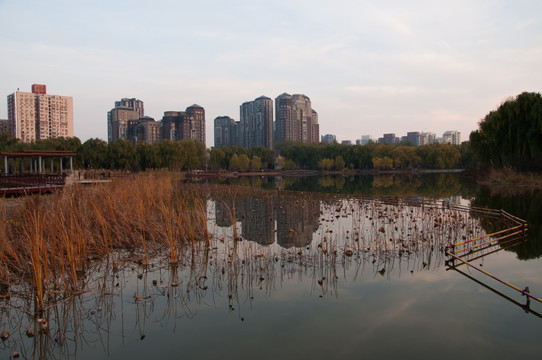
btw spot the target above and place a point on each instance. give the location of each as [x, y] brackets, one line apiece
[192, 153]
[512, 134]
[326, 164]
[121, 155]
[234, 162]
[383, 163]
[93, 154]
[255, 163]
[7, 142]
[217, 159]
[244, 162]
[405, 157]
[439, 156]
[339, 162]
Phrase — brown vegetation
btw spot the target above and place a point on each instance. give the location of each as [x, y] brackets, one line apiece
[512, 177]
[49, 240]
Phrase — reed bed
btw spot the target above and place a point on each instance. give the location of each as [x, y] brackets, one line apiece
[50, 240]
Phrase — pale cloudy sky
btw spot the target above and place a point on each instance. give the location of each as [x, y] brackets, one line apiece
[369, 67]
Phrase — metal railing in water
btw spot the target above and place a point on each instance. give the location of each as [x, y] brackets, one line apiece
[465, 252]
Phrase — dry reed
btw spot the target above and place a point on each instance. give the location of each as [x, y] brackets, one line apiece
[49, 239]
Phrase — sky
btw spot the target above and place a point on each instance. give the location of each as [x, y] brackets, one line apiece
[369, 67]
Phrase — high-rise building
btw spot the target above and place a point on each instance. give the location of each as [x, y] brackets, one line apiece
[4, 126]
[132, 103]
[389, 139]
[452, 137]
[427, 138]
[329, 138]
[194, 125]
[365, 139]
[117, 122]
[256, 123]
[189, 124]
[295, 119]
[414, 138]
[224, 131]
[144, 129]
[36, 115]
[117, 119]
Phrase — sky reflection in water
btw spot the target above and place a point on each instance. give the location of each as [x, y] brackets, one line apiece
[287, 298]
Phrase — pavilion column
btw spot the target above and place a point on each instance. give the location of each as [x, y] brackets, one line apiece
[22, 165]
[39, 165]
[6, 165]
[71, 164]
[51, 165]
[61, 169]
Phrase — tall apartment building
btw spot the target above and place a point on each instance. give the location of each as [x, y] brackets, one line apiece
[224, 131]
[428, 137]
[145, 129]
[256, 123]
[295, 119]
[132, 103]
[124, 111]
[37, 115]
[189, 124]
[452, 137]
[4, 126]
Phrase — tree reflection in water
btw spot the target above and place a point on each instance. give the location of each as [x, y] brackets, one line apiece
[282, 235]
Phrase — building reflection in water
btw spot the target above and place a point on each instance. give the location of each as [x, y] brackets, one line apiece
[289, 222]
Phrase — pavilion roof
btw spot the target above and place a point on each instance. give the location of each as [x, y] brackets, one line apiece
[38, 153]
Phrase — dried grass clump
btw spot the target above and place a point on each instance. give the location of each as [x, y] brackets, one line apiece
[48, 240]
[509, 176]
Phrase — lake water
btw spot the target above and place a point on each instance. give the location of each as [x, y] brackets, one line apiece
[330, 276]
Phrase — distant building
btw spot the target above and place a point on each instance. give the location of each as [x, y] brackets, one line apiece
[389, 139]
[256, 123]
[37, 115]
[296, 120]
[365, 139]
[117, 118]
[328, 138]
[346, 142]
[134, 104]
[144, 129]
[451, 137]
[224, 131]
[414, 138]
[189, 124]
[4, 128]
[427, 138]
[117, 123]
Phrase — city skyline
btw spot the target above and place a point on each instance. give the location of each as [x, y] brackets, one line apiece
[370, 68]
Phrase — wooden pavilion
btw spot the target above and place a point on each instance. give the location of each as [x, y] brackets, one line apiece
[35, 170]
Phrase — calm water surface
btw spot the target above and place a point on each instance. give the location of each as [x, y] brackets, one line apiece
[338, 277]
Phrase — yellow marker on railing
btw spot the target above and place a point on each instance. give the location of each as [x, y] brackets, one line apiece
[523, 292]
